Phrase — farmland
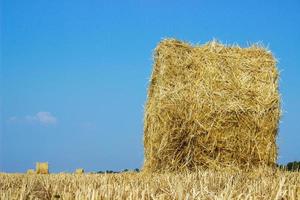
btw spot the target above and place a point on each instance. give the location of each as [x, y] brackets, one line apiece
[202, 184]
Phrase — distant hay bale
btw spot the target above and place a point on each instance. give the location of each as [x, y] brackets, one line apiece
[79, 171]
[211, 106]
[30, 171]
[42, 168]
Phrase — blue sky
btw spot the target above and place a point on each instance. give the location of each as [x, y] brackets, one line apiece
[74, 74]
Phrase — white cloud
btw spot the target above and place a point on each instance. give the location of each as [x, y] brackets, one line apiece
[45, 118]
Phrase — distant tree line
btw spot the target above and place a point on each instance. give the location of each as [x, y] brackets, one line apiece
[291, 166]
[115, 172]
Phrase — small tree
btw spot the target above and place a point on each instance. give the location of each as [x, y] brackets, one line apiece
[293, 166]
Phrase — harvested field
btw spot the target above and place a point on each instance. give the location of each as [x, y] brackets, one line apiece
[259, 185]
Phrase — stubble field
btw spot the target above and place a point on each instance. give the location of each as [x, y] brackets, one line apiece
[208, 184]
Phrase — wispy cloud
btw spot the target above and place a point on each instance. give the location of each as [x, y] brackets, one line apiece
[42, 117]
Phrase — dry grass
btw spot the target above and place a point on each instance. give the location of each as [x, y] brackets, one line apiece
[211, 105]
[259, 185]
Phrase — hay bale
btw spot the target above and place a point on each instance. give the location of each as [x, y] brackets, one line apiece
[211, 106]
[79, 171]
[42, 168]
[30, 171]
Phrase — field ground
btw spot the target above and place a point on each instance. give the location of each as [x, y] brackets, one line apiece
[197, 185]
